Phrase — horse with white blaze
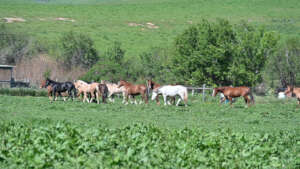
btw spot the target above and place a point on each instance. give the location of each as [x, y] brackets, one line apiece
[172, 91]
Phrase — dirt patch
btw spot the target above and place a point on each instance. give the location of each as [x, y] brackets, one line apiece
[148, 25]
[65, 19]
[11, 20]
[134, 24]
[152, 25]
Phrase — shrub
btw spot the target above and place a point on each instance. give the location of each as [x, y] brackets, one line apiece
[78, 50]
[23, 92]
[13, 46]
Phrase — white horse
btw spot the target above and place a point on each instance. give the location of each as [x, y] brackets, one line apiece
[172, 91]
[113, 89]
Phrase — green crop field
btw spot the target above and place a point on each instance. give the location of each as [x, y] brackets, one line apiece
[141, 24]
[37, 133]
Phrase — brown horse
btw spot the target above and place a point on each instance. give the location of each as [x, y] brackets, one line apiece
[291, 90]
[134, 90]
[50, 89]
[233, 92]
[103, 90]
[152, 85]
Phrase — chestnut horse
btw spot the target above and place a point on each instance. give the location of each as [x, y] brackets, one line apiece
[233, 92]
[134, 90]
[293, 90]
[152, 85]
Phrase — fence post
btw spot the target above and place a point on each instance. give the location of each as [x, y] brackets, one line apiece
[203, 92]
[193, 91]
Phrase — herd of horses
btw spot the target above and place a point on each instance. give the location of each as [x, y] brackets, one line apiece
[93, 91]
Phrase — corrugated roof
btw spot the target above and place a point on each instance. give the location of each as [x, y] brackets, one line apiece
[6, 66]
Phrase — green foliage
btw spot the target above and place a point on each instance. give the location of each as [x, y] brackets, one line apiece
[78, 50]
[111, 66]
[155, 65]
[63, 145]
[221, 53]
[47, 73]
[285, 63]
[22, 92]
[13, 46]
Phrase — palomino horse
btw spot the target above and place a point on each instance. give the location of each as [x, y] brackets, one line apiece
[49, 89]
[172, 91]
[233, 92]
[152, 85]
[58, 87]
[86, 88]
[134, 90]
[291, 90]
[114, 89]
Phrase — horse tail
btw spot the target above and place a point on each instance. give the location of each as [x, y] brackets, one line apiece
[74, 91]
[105, 93]
[251, 96]
[185, 96]
[147, 94]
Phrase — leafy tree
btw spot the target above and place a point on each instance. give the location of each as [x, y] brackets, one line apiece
[13, 46]
[78, 50]
[155, 65]
[221, 53]
[111, 66]
[285, 63]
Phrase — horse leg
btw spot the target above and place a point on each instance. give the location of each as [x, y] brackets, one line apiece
[145, 97]
[180, 98]
[53, 95]
[97, 97]
[126, 99]
[230, 99]
[49, 95]
[165, 99]
[157, 100]
[247, 100]
[84, 96]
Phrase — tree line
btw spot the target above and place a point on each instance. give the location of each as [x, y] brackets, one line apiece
[215, 53]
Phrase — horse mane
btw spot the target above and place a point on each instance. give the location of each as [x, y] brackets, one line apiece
[52, 81]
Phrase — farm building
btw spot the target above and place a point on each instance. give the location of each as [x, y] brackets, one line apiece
[6, 75]
[6, 78]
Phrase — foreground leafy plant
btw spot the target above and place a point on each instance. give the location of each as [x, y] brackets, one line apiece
[62, 144]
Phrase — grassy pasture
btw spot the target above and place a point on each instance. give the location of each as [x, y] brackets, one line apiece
[107, 21]
[38, 134]
[267, 115]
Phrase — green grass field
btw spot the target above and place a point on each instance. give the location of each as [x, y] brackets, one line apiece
[107, 21]
[207, 115]
[38, 134]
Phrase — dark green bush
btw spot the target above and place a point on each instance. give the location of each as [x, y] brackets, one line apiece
[23, 92]
[78, 50]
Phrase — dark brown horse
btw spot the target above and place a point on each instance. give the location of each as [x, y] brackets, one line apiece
[233, 92]
[134, 90]
[152, 85]
[103, 90]
[49, 89]
[291, 90]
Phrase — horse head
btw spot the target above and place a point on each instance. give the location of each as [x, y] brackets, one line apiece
[289, 89]
[43, 84]
[215, 92]
[154, 93]
[122, 83]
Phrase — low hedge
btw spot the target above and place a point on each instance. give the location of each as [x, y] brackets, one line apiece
[23, 92]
